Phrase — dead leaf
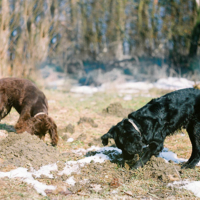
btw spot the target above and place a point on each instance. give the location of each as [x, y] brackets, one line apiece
[82, 194]
[128, 193]
[127, 166]
[66, 192]
[115, 183]
[173, 178]
[48, 191]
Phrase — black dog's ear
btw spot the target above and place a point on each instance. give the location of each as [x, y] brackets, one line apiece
[106, 136]
[104, 139]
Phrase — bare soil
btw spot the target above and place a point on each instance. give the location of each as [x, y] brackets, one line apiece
[25, 150]
[116, 109]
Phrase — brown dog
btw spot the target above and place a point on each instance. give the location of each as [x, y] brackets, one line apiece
[31, 104]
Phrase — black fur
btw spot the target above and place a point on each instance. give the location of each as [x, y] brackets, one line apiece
[156, 120]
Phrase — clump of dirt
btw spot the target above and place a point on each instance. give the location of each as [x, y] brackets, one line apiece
[158, 168]
[82, 137]
[70, 128]
[25, 150]
[95, 141]
[65, 137]
[116, 109]
[87, 120]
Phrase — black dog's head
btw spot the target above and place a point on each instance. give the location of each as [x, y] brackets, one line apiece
[126, 137]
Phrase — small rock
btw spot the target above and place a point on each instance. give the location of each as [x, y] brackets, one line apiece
[70, 128]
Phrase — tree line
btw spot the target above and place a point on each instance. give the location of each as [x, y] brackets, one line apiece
[33, 32]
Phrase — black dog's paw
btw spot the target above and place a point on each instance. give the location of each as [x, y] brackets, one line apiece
[187, 166]
[137, 165]
[104, 142]
[104, 139]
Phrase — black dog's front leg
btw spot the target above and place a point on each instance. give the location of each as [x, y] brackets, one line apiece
[146, 155]
[153, 149]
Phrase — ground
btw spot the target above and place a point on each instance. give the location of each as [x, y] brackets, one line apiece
[85, 118]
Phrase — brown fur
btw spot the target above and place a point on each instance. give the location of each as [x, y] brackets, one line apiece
[28, 101]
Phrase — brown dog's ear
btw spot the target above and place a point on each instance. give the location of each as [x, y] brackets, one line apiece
[53, 132]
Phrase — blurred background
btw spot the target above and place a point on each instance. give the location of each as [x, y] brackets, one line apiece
[93, 40]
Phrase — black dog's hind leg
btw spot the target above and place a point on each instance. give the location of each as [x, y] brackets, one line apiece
[153, 149]
[193, 130]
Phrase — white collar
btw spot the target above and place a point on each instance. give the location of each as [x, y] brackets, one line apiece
[40, 113]
[134, 125]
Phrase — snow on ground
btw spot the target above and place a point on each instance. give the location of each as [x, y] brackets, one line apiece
[28, 178]
[168, 155]
[45, 170]
[193, 186]
[74, 166]
[70, 181]
[173, 83]
[170, 83]
[70, 140]
[84, 89]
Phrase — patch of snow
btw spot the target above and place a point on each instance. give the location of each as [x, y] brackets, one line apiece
[168, 155]
[114, 192]
[70, 140]
[110, 149]
[84, 181]
[71, 181]
[98, 150]
[45, 170]
[51, 101]
[74, 166]
[28, 178]
[170, 83]
[193, 186]
[136, 86]
[84, 89]
[70, 166]
[173, 83]
[127, 97]
[56, 83]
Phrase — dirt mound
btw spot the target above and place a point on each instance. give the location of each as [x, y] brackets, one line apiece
[117, 110]
[70, 128]
[25, 150]
[158, 168]
[87, 120]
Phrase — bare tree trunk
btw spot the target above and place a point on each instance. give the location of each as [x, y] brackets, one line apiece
[4, 37]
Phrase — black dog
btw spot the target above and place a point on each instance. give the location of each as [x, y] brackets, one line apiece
[157, 119]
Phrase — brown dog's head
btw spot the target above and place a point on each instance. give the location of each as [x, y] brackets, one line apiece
[126, 137]
[5, 104]
[39, 126]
